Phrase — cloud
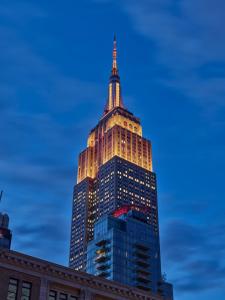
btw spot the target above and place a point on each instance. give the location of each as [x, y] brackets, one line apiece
[187, 36]
[196, 252]
[36, 175]
[190, 32]
[26, 72]
[51, 232]
[38, 136]
[36, 100]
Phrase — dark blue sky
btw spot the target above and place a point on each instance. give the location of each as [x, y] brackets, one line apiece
[55, 59]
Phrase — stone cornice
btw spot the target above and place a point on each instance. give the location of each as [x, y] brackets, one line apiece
[42, 268]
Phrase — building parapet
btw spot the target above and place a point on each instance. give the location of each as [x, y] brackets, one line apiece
[100, 288]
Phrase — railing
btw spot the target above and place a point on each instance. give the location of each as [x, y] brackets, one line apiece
[143, 255]
[142, 263]
[103, 267]
[141, 246]
[103, 274]
[102, 243]
[103, 250]
[102, 258]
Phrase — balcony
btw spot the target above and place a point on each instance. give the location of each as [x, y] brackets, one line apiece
[145, 272]
[141, 263]
[103, 250]
[142, 287]
[102, 243]
[142, 279]
[141, 247]
[104, 274]
[102, 267]
[143, 255]
[102, 258]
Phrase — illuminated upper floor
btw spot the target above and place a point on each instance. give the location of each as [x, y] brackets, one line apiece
[118, 133]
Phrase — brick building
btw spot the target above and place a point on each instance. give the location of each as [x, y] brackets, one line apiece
[24, 277]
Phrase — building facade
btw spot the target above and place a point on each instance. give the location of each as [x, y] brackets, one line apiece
[29, 278]
[124, 249]
[114, 170]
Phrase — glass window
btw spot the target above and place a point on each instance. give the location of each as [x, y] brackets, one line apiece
[63, 296]
[12, 289]
[26, 291]
[52, 295]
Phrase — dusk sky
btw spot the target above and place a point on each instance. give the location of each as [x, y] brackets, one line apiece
[55, 61]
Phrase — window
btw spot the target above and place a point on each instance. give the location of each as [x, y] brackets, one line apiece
[26, 291]
[73, 298]
[52, 295]
[12, 289]
[63, 296]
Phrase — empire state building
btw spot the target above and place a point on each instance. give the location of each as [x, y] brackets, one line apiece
[115, 210]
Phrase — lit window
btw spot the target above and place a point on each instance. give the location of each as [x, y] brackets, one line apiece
[52, 295]
[12, 289]
[63, 296]
[26, 291]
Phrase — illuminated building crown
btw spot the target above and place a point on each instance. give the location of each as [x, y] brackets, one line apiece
[118, 133]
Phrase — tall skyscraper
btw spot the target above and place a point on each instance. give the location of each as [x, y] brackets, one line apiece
[115, 170]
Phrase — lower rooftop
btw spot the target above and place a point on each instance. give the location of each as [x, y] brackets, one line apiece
[49, 281]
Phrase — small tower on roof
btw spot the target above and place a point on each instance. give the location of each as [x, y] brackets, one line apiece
[5, 232]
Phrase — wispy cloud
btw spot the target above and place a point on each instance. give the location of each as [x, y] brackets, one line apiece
[24, 69]
[34, 96]
[38, 136]
[186, 36]
[196, 255]
[48, 226]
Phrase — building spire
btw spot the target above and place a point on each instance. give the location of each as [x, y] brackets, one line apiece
[114, 94]
[114, 65]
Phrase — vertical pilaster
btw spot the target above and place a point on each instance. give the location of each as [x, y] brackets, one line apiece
[44, 289]
[86, 295]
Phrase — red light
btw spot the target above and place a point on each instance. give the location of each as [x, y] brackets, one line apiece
[124, 209]
[121, 211]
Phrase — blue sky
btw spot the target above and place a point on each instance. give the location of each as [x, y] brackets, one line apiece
[55, 60]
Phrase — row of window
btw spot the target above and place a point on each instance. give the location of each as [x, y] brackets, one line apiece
[13, 290]
[53, 295]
